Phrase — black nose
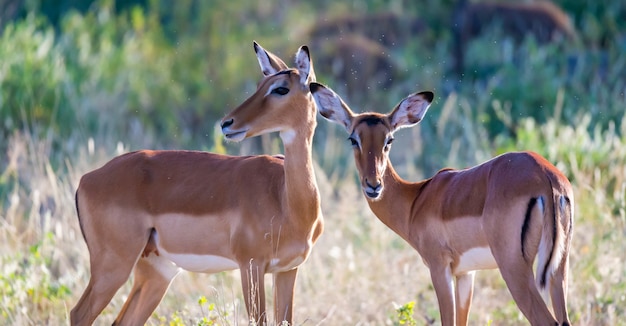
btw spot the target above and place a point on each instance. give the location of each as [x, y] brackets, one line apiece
[373, 191]
[376, 187]
[227, 123]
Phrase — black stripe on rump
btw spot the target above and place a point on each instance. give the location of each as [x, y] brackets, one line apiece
[531, 204]
[80, 221]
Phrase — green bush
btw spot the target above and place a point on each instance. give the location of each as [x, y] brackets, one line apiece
[32, 79]
[27, 285]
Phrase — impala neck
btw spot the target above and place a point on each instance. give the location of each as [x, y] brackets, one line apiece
[302, 197]
[394, 207]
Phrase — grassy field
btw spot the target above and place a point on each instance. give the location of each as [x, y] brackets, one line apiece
[78, 92]
[359, 273]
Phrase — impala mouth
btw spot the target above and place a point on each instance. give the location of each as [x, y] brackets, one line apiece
[372, 194]
[234, 135]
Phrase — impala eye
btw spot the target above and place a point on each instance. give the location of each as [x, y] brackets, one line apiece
[388, 144]
[353, 142]
[280, 90]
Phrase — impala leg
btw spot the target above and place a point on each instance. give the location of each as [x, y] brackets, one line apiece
[464, 290]
[153, 276]
[558, 292]
[442, 282]
[253, 286]
[515, 269]
[108, 274]
[284, 284]
[520, 280]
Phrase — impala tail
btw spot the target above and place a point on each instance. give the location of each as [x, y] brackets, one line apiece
[555, 240]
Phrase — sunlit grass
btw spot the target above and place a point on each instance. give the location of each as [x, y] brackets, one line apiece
[359, 272]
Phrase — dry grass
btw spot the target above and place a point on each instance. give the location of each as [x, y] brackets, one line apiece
[358, 274]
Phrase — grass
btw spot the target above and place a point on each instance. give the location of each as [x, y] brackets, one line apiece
[360, 273]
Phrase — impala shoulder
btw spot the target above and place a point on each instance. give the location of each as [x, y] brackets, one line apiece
[270, 160]
[444, 173]
[270, 167]
[436, 182]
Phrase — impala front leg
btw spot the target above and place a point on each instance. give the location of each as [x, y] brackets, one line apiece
[284, 283]
[442, 282]
[252, 282]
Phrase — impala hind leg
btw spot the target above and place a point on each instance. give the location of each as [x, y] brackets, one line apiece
[558, 292]
[153, 276]
[514, 249]
[110, 267]
[521, 282]
[253, 285]
[108, 274]
[519, 278]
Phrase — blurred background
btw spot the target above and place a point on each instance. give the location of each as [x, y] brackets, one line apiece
[82, 81]
[159, 74]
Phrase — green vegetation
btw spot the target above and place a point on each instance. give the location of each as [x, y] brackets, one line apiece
[405, 314]
[79, 85]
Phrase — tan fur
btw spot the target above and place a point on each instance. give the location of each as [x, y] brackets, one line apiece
[261, 212]
[457, 212]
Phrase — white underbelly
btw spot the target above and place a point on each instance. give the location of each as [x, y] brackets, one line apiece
[197, 263]
[475, 259]
[200, 263]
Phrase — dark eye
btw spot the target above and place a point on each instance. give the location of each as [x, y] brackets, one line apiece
[388, 144]
[353, 142]
[280, 90]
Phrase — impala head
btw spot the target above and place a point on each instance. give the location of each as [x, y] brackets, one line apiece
[281, 91]
[371, 134]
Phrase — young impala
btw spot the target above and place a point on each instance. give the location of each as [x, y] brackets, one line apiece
[155, 212]
[505, 213]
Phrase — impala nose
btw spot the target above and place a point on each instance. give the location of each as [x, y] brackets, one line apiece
[233, 134]
[227, 123]
[373, 191]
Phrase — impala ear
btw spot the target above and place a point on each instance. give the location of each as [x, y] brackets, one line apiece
[269, 62]
[331, 106]
[304, 64]
[411, 110]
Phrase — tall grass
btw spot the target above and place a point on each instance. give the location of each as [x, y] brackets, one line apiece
[359, 272]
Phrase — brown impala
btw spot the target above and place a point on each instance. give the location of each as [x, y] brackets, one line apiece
[156, 212]
[505, 213]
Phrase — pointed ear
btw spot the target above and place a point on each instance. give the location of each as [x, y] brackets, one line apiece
[331, 106]
[269, 62]
[411, 110]
[304, 64]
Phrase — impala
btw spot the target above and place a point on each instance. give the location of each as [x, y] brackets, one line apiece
[505, 213]
[156, 212]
